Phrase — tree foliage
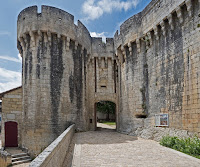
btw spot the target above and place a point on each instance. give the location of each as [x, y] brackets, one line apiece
[106, 107]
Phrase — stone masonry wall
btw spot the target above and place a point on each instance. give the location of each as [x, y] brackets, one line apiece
[54, 58]
[54, 154]
[102, 74]
[12, 111]
[166, 36]
[149, 67]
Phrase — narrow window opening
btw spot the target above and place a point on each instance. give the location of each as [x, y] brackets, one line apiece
[141, 116]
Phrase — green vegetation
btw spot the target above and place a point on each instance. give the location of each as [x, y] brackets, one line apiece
[190, 146]
[108, 123]
[106, 107]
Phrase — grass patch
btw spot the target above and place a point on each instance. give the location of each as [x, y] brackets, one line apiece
[108, 123]
[190, 146]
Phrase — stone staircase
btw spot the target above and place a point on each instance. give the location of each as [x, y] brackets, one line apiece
[20, 158]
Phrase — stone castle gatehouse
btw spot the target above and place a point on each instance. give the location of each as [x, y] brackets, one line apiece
[150, 66]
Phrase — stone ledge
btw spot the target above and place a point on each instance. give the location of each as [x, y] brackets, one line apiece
[56, 151]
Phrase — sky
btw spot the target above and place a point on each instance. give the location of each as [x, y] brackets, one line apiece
[101, 17]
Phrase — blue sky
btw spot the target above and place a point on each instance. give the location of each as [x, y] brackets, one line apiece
[101, 17]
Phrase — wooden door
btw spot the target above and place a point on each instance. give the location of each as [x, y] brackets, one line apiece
[11, 134]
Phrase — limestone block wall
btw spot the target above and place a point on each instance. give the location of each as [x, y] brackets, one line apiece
[102, 76]
[166, 34]
[5, 159]
[54, 52]
[149, 67]
[12, 111]
[54, 154]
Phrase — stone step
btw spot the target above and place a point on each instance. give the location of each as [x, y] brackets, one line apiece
[19, 155]
[21, 162]
[20, 158]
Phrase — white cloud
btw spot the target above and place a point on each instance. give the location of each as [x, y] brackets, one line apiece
[4, 33]
[19, 57]
[9, 79]
[93, 10]
[102, 35]
[17, 60]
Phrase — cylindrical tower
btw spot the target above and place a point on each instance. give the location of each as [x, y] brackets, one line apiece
[54, 52]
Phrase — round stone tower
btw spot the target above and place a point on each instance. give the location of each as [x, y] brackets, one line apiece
[54, 52]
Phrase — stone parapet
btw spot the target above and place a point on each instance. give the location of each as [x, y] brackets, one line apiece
[54, 154]
[50, 21]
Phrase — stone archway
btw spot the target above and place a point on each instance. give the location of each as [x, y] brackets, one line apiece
[108, 116]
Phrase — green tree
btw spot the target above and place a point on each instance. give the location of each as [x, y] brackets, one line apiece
[106, 107]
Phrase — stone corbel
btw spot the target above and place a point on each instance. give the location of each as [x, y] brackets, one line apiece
[130, 48]
[179, 14]
[149, 38]
[138, 45]
[32, 42]
[49, 36]
[189, 7]
[25, 38]
[170, 19]
[64, 42]
[117, 61]
[162, 24]
[119, 57]
[20, 49]
[156, 32]
[45, 37]
[67, 43]
[59, 36]
[76, 45]
[22, 43]
[39, 35]
[123, 51]
[106, 59]
[82, 50]
[146, 40]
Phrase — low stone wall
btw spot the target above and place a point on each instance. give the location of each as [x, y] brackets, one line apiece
[156, 133]
[55, 153]
[5, 159]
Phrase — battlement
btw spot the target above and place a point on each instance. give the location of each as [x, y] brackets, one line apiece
[52, 20]
[155, 14]
[46, 10]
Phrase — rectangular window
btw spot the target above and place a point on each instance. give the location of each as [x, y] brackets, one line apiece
[162, 120]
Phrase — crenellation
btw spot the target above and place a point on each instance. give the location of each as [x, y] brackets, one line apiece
[150, 67]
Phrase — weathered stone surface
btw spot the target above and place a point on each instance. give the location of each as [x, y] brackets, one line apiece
[55, 153]
[151, 66]
[12, 111]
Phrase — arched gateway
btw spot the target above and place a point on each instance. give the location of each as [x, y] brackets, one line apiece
[145, 69]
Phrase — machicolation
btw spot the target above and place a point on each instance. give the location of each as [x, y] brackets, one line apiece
[150, 68]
